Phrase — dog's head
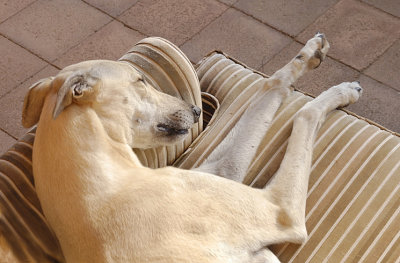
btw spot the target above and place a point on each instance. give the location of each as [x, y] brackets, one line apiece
[130, 109]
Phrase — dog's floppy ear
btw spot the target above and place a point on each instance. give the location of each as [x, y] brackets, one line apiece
[34, 100]
[76, 88]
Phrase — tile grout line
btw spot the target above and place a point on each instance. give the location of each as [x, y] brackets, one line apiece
[378, 9]
[116, 18]
[274, 56]
[230, 5]
[200, 30]
[315, 20]
[77, 44]
[9, 134]
[104, 12]
[379, 56]
[113, 18]
[260, 21]
[21, 82]
[295, 39]
[19, 11]
[21, 46]
[30, 51]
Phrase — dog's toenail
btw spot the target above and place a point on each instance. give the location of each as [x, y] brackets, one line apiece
[358, 82]
[358, 89]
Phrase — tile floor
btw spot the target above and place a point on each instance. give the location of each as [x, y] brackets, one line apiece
[39, 37]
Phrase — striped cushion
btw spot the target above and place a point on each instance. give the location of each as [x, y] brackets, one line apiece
[22, 224]
[168, 70]
[353, 199]
[352, 209]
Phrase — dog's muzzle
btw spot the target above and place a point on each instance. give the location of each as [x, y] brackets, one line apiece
[180, 123]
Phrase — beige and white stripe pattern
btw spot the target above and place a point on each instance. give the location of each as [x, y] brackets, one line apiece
[353, 200]
[170, 71]
[22, 223]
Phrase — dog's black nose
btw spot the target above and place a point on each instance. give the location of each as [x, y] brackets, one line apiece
[196, 113]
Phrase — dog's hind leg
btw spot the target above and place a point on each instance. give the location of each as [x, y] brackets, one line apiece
[288, 188]
[234, 154]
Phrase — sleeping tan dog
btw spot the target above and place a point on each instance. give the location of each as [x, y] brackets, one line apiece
[105, 206]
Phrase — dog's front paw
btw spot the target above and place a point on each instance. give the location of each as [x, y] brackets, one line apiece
[314, 52]
[346, 93]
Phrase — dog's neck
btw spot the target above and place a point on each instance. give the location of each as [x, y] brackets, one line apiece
[82, 171]
[76, 141]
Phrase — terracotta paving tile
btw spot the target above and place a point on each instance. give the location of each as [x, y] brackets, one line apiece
[113, 8]
[11, 104]
[390, 6]
[358, 33]
[175, 20]
[378, 103]
[238, 35]
[49, 28]
[16, 65]
[387, 67]
[328, 74]
[9, 8]
[290, 16]
[6, 142]
[110, 42]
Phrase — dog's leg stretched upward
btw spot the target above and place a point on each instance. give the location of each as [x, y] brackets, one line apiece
[233, 155]
[288, 188]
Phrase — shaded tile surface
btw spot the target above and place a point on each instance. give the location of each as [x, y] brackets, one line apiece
[112, 7]
[290, 16]
[16, 65]
[387, 67]
[9, 8]
[12, 103]
[358, 33]
[49, 28]
[238, 35]
[378, 103]
[390, 6]
[110, 42]
[176, 20]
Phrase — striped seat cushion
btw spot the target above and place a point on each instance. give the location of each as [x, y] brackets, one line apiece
[25, 234]
[353, 199]
[352, 209]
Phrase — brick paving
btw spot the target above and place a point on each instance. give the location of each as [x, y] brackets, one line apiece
[39, 37]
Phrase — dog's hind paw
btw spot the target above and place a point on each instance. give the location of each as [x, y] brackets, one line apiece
[314, 52]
